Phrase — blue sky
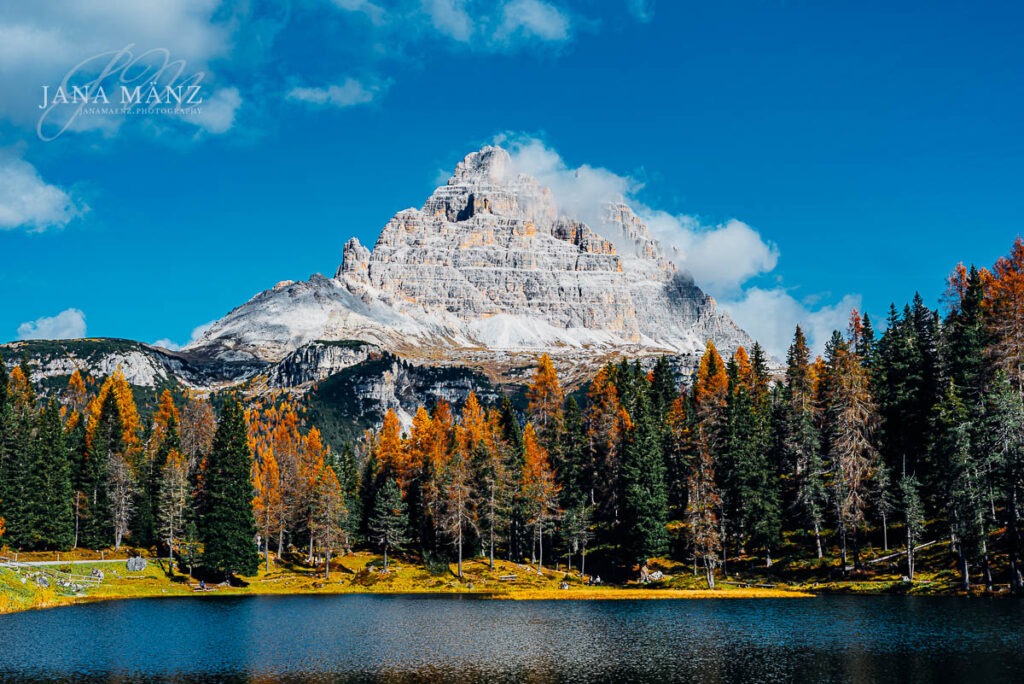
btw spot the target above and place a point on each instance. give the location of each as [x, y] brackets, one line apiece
[813, 155]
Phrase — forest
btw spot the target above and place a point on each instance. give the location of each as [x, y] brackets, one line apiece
[889, 439]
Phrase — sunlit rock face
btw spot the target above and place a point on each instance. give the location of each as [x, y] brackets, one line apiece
[488, 270]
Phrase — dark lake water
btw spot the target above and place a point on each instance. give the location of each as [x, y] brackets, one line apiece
[395, 639]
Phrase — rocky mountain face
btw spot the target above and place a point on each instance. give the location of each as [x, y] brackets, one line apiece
[487, 273]
[467, 291]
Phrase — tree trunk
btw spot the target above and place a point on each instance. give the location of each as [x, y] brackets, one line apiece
[885, 532]
[843, 551]
[583, 561]
[910, 555]
[817, 539]
[78, 515]
[989, 584]
[540, 549]
[492, 542]
[768, 560]
[725, 549]
[460, 552]
[280, 542]
[385, 558]
[327, 565]
[1016, 583]
[966, 573]
[709, 571]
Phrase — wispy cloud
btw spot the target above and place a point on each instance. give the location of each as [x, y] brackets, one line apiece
[27, 201]
[771, 316]
[40, 42]
[476, 25]
[68, 324]
[197, 333]
[348, 93]
[533, 19]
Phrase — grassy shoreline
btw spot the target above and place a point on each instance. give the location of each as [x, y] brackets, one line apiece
[358, 574]
[361, 573]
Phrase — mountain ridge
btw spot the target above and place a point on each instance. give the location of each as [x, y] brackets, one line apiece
[487, 275]
[489, 263]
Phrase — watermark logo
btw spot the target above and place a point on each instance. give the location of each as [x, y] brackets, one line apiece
[120, 83]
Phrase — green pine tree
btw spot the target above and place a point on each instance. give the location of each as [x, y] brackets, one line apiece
[7, 472]
[389, 521]
[228, 529]
[47, 510]
[96, 529]
[568, 458]
[347, 470]
[19, 445]
[644, 498]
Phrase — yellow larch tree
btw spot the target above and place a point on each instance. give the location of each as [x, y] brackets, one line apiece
[546, 399]
[712, 384]
[267, 504]
[744, 370]
[540, 489]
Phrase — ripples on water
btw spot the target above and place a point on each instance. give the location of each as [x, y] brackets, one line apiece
[396, 639]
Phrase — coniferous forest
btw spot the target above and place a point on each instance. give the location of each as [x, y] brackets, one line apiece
[905, 432]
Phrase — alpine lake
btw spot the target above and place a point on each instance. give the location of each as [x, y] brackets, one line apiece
[366, 638]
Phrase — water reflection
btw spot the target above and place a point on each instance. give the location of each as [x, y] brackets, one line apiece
[399, 639]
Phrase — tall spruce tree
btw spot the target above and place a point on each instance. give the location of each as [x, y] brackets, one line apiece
[644, 498]
[47, 505]
[569, 458]
[799, 441]
[228, 530]
[388, 521]
[965, 486]
[1001, 442]
[7, 473]
[95, 527]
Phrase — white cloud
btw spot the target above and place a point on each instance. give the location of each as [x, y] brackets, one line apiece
[349, 93]
[68, 324]
[771, 317]
[450, 18]
[477, 25]
[197, 333]
[217, 113]
[27, 201]
[40, 42]
[374, 12]
[533, 18]
[722, 257]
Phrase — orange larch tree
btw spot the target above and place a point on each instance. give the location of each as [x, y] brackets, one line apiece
[267, 504]
[744, 370]
[1004, 301]
[390, 450]
[712, 384]
[329, 518]
[546, 400]
[539, 489]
